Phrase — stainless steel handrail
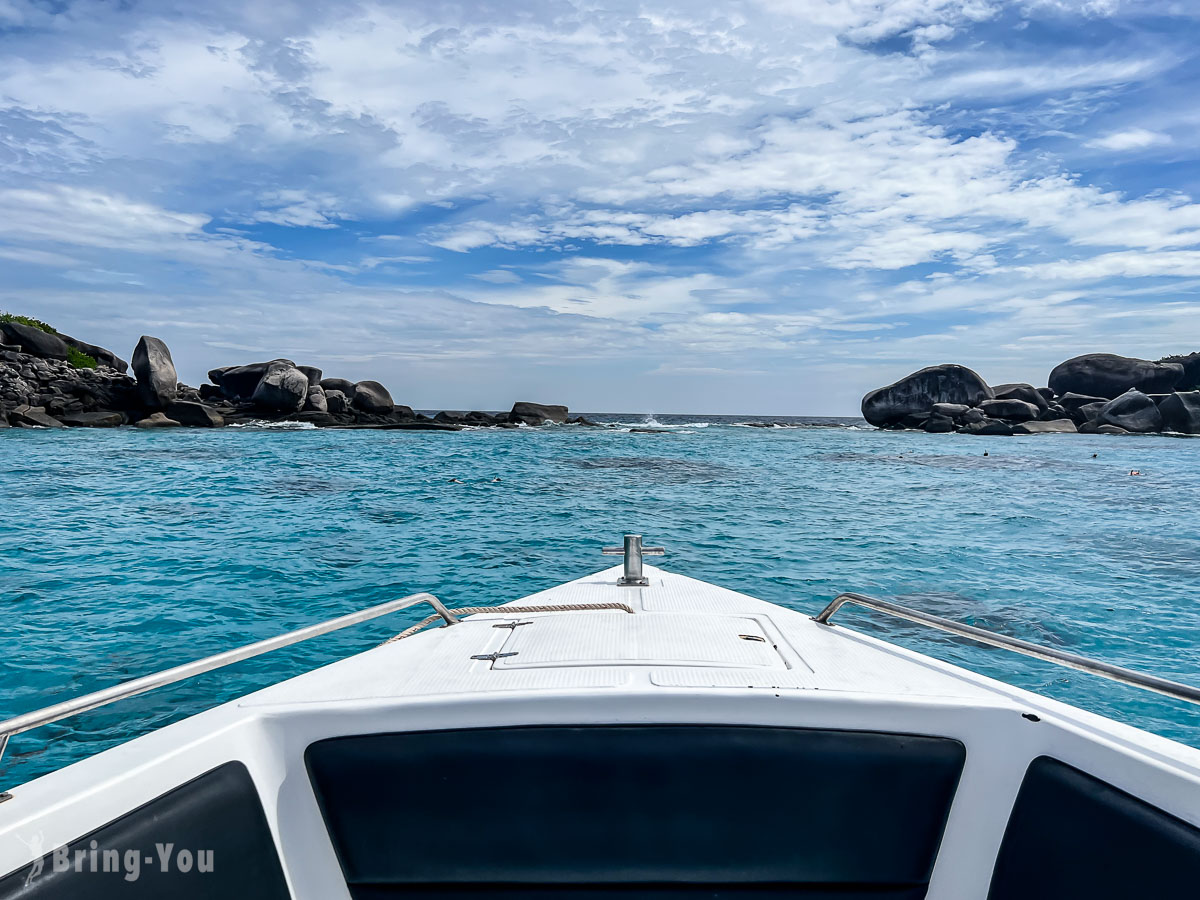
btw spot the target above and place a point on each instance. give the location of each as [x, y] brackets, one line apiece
[68, 708]
[1060, 657]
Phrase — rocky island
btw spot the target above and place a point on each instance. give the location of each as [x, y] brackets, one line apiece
[1097, 393]
[52, 380]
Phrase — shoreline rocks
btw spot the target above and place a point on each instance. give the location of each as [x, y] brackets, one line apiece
[155, 372]
[909, 400]
[41, 388]
[1097, 393]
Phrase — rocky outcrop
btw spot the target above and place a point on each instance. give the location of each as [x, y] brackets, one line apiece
[33, 417]
[43, 391]
[313, 374]
[1133, 411]
[338, 384]
[281, 389]
[526, 413]
[987, 426]
[33, 341]
[195, 415]
[98, 419]
[372, 397]
[1025, 392]
[1071, 401]
[155, 372]
[336, 402]
[1109, 376]
[238, 383]
[1082, 397]
[1191, 371]
[156, 420]
[915, 394]
[316, 402]
[99, 354]
[1010, 410]
[1054, 426]
[1181, 412]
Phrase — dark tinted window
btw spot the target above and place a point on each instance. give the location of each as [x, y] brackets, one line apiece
[219, 812]
[558, 811]
[1072, 835]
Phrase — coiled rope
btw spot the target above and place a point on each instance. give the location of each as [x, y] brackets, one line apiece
[517, 610]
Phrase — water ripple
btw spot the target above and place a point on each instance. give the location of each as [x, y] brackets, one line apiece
[126, 551]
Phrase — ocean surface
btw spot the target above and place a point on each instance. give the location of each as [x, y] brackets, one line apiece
[123, 552]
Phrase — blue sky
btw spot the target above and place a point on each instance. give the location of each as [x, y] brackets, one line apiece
[753, 207]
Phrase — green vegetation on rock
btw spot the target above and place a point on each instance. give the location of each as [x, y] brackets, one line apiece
[79, 359]
[32, 323]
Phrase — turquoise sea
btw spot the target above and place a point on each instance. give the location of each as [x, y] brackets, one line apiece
[125, 551]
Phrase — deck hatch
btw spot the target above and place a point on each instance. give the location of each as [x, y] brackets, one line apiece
[641, 640]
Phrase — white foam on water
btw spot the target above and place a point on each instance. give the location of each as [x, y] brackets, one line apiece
[274, 426]
[651, 422]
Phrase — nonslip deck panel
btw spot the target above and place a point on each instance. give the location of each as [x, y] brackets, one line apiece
[562, 811]
[219, 812]
[1073, 835]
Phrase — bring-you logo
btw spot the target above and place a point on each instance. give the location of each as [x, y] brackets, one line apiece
[129, 863]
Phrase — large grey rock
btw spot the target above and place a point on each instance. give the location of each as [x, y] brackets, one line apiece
[316, 400]
[156, 420]
[939, 424]
[1107, 375]
[914, 394]
[155, 372]
[987, 427]
[1056, 426]
[195, 415]
[1191, 371]
[1133, 411]
[1181, 412]
[971, 417]
[1012, 410]
[98, 419]
[524, 411]
[34, 341]
[1089, 412]
[282, 389]
[312, 373]
[475, 417]
[240, 382]
[99, 354]
[1026, 392]
[1070, 401]
[949, 410]
[335, 401]
[372, 397]
[33, 416]
[338, 384]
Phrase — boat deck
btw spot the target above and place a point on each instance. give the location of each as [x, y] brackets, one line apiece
[684, 633]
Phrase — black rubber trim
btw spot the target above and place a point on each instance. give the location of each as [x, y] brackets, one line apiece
[639, 891]
[1072, 835]
[218, 811]
[559, 808]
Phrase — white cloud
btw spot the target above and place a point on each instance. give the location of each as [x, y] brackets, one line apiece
[499, 276]
[1131, 139]
[703, 187]
[61, 214]
[298, 209]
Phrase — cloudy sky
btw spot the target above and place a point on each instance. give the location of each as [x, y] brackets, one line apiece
[766, 206]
